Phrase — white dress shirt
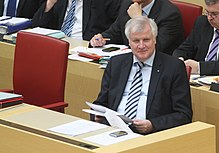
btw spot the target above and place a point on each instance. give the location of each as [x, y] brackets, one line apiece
[146, 73]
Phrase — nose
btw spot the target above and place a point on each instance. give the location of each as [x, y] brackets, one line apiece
[141, 44]
[209, 17]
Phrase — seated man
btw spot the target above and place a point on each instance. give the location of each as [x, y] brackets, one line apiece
[164, 13]
[200, 50]
[79, 19]
[24, 8]
[146, 85]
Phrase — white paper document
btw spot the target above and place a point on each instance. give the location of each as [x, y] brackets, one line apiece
[98, 50]
[5, 96]
[98, 109]
[105, 138]
[115, 121]
[77, 127]
[42, 31]
[13, 21]
[114, 118]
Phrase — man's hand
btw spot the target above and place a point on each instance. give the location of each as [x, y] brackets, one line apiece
[98, 119]
[194, 65]
[50, 4]
[135, 10]
[97, 41]
[143, 126]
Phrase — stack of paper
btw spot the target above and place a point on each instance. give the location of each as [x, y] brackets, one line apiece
[77, 127]
[10, 25]
[44, 31]
[98, 51]
[9, 99]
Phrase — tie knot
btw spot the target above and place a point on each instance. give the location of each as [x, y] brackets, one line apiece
[140, 65]
[144, 13]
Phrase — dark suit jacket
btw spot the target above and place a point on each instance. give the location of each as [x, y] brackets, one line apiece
[168, 101]
[26, 8]
[167, 17]
[196, 46]
[98, 15]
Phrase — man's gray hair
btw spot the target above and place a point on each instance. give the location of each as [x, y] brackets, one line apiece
[138, 24]
[211, 2]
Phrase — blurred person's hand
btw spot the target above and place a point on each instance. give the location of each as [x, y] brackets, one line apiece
[50, 4]
[135, 10]
[97, 40]
[143, 126]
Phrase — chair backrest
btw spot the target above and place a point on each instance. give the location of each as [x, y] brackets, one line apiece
[40, 65]
[189, 13]
[188, 71]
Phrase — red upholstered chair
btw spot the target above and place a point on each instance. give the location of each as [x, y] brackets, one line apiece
[40, 65]
[188, 70]
[189, 14]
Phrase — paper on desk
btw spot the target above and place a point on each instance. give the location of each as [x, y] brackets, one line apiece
[111, 116]
[4, 18]
[98, 50]
[105, 138]
[116, 121]
[77, 127]
[14, 21]
[38, 30]
[98, 109]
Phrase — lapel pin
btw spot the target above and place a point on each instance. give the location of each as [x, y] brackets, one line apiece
[158, 71]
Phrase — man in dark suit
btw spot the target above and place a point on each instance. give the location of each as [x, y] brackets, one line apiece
[196, 49]
[97, 16]
[25, 8]
[164, 13]
[164, 100]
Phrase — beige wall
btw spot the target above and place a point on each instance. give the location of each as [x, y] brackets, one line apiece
[198, 2]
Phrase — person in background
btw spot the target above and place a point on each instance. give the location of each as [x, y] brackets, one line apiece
[200, 50]
[79, 19]
[146, 85]
[19, 8]
[165, 14]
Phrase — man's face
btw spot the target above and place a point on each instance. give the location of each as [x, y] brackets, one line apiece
[142, 43]
[212, 12]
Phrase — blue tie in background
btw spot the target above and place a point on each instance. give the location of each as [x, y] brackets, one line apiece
[212, 56]
[11, 8]
[134, 93]
[69, 20]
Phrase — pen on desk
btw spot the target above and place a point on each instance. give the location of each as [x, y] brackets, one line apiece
[198, 77]
[106, 39]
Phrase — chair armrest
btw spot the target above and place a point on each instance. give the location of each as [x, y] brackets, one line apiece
[7, 90]
[58, 106]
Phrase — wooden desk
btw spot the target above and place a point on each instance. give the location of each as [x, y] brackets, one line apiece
[83, 84]
[196, 137]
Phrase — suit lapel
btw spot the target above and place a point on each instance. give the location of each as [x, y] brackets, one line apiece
[125, 70]
[208, 33]
[155, 76]
[86, 13]
[20, 6]
[154, 10]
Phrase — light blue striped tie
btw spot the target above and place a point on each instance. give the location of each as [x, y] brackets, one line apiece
[134, 93]
[212, 56]
[69, 20]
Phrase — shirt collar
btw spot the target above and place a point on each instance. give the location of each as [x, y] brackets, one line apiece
[148, 7]
[148, 62]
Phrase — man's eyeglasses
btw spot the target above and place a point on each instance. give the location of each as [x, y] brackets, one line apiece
[211, 14]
